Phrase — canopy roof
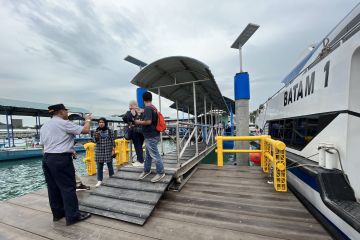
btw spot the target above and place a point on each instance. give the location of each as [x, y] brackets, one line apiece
[117, 119]
[229, 102]
[109, 118]
[175, 77]
[26, 108]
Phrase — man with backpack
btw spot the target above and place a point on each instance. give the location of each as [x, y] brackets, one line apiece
[151, 127]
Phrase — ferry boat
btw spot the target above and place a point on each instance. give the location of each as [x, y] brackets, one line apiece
[317, 115]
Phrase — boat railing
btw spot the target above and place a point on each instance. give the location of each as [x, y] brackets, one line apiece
[273, 156]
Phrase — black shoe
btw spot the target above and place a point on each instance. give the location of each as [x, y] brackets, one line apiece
[82, 187]
[55, 219]
[81, 217]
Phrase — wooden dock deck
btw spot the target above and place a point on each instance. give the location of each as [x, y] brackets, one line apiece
[229, 203]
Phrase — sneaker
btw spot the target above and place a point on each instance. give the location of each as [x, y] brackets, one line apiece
[82, 187]
[98, 184]
[137, 164]
[143, 175]
[157, 177]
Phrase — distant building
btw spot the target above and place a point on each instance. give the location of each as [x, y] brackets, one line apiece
[17, 123]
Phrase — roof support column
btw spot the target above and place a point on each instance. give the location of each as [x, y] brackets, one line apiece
[12, 130]
[205, 128]
[7, 128]
[212, 123]
[36, 126]
[177, 133]
[188, 114]
[161, 135]
[195, 119]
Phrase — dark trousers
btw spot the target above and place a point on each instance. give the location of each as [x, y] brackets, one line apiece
[59, 174]
[138, 140]
[100, 167]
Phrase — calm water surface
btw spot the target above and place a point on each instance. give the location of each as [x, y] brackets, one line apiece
[20, 177]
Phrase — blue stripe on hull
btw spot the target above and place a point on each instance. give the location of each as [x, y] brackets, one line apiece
[306, 178]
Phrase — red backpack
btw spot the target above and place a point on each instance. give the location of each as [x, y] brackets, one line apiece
[160, 125]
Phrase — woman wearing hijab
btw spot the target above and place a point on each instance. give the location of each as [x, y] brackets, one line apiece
[104, 150]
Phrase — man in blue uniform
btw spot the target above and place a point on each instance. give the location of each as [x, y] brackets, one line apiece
[57, 137]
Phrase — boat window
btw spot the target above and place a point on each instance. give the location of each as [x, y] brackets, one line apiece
[298, 132]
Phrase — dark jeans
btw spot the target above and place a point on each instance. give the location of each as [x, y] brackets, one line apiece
[138, 140]
[59, 174]
[100, 167]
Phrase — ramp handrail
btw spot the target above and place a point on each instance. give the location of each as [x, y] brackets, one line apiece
[272, 156]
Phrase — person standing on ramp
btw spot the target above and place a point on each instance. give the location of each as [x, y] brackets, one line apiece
[152, 138]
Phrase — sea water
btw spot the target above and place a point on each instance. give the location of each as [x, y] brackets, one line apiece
[19, 177]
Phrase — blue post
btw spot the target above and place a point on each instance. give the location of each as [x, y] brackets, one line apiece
[242, 86]
[12, 130]
[7, 128]
[139, 93]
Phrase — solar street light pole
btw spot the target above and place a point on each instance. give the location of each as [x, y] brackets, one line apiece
[242, 96]
[240, 58]
[139, 91]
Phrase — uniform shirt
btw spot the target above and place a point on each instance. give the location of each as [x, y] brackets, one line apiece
[149, 131]
[57, 135]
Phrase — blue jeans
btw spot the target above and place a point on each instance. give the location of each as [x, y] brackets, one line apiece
[152, 152]
[100, 167]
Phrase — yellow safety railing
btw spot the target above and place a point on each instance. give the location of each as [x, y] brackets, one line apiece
[121, 155]
[90, 158]
[272, 155]
[121, 152]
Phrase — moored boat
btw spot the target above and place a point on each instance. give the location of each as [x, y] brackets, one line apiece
[317, 115]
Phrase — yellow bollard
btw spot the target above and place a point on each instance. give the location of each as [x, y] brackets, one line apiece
[121, 151]
[118, 160]
[90, 158]
[220, 155]
[126, 150]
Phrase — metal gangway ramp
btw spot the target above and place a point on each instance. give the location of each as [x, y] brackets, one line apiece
[125, 198]
[190, 84]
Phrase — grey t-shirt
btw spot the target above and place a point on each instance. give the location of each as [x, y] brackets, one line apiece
[57, 135]
[149, 131]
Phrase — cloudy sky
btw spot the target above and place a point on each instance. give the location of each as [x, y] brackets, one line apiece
[73, 51]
